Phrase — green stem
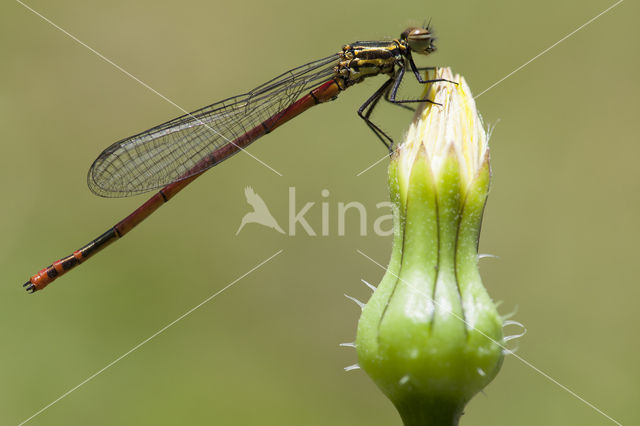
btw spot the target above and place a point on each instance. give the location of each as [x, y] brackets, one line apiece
[433, 412]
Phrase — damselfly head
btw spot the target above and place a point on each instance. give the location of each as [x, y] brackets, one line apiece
[420, 40]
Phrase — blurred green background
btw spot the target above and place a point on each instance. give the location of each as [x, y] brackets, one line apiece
[562, 215]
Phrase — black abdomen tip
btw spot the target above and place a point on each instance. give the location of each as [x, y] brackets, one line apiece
[29, 287]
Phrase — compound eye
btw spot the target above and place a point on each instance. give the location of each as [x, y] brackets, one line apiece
[420, 40]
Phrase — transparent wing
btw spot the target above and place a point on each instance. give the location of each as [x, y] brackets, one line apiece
[173, 150]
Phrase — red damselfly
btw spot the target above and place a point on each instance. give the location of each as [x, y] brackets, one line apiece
[173, 154]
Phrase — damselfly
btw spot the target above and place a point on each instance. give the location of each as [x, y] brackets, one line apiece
[173, 154]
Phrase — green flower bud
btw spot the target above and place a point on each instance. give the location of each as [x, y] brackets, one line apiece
[430, 336]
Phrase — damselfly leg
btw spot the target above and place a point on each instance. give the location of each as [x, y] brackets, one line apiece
[389, 91]
[367, 108]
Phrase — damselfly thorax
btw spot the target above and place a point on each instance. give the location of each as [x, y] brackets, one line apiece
[369, 58]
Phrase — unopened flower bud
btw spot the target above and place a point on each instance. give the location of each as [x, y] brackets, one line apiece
[430, 336]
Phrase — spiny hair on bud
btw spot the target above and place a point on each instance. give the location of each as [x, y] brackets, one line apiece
[359, 303]
[506, 339]
[510, 315]
[488, 256]
[517, 335]
[371, 286]
[507, 352]
[491, 127]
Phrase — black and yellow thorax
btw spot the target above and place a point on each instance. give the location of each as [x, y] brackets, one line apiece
[364, 59]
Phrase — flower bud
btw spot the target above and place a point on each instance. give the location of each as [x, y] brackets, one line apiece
[430, 336]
